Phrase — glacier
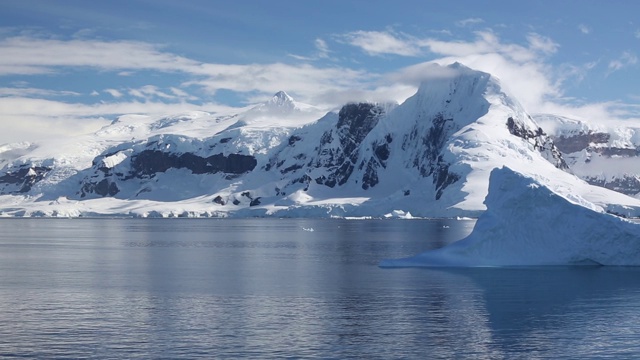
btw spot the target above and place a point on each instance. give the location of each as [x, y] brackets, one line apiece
[527, 224]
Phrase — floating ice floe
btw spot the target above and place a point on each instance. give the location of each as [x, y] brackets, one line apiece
[526, 224]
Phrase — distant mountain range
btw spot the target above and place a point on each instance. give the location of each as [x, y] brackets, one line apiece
[430, 156]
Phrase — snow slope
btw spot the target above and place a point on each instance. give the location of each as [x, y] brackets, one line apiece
[430, 156]
[526, 224]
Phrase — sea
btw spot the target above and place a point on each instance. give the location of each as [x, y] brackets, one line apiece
[293, 289]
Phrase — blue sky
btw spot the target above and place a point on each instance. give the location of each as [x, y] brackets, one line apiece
[71, 66]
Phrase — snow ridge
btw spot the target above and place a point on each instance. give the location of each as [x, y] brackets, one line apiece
[430, 156]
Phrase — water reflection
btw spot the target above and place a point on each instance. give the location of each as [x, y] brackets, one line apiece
[561, 312]
[270, 289]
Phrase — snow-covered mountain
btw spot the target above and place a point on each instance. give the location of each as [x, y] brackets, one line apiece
[430, 156]
[605, 154]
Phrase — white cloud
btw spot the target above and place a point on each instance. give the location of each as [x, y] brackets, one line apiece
[541, 43]
[182, 94]
[584, 29]
[113, 92]
[28, 56]
[33, 92]
[487, 42]
[626, 59]
[29, 119]
[26, 117]
[382, 42]
[469, 21]
[322, 47]
[523, 69]
[305, 82]
[149, 92]
[322, 52]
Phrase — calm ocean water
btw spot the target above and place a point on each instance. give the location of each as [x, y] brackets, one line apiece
[268, 288]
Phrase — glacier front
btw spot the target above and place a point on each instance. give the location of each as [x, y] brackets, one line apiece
[527, 224]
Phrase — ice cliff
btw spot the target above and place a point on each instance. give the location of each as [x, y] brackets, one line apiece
[527, 224]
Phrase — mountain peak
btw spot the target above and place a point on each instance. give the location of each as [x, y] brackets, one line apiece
[452, 79]
[281, 98]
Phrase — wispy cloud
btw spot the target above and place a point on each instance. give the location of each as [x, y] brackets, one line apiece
[322, 52]
[29, 56]
[469, 22]
[382, 43]
[626, 59]
[539, 43]
[33, 92]
[584, 29]
[322, 47]
[113, 92]
[487, 42]
[304, 81]
[524, 69]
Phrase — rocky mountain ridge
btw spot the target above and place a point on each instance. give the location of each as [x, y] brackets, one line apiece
[429, 156]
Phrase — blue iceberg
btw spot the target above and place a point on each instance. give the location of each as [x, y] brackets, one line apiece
[527, 224]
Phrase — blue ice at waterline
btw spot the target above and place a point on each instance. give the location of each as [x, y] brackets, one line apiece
[527, 224]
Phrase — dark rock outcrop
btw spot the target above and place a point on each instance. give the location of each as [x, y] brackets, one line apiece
[148, 162]
[580, 141]
[540, 141]
[428, 160]
[340, 148]
[22, 179]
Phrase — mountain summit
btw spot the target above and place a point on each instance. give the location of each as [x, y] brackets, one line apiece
[429, 156]
[281, 99]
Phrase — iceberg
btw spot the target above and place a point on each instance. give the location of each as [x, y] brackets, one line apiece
[527, 224]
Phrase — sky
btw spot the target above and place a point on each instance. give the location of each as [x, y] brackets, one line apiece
[71, 66]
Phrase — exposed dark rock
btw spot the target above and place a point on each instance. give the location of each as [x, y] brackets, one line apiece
[219, 200]
[293, 139]
[355, 121]
[613, 151]
[236, 202]
[541, 142]
[370, 177]
[291, 168]
[443, 178]
[23, 178]
[382, 152]
[579, 142]
[149, 162]
[428, 159]
[255, 202]
[629, 185]
[429, 144]
[103, 188]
